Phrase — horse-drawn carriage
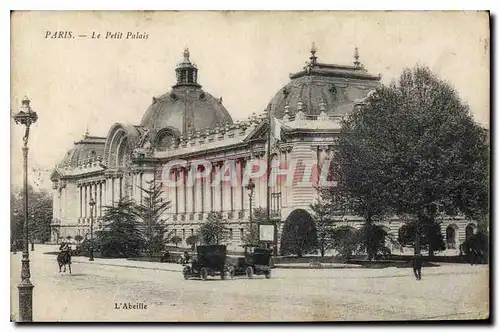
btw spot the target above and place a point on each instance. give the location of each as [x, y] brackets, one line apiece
[209, 260]
[254, 262]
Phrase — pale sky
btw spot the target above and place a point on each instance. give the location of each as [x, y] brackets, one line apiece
[81, 83]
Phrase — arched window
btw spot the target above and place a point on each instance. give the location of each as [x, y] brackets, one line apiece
[165, 141]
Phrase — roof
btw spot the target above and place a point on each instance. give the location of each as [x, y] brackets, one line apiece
[331, 88]
[186, 107]
[90, 148]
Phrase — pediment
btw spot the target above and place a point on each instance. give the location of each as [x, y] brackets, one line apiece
[56, 174]
[259, 133]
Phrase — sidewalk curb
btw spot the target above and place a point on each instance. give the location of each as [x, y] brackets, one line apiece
[317, 267]
[129, 266]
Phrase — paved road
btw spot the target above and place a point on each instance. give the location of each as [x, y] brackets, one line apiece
[92, 291]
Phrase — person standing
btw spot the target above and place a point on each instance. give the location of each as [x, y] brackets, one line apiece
[417, 266]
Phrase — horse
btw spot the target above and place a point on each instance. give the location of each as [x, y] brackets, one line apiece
[63, 259]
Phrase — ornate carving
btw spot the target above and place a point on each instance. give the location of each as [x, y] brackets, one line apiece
[323, 116]
[333, 90]
[300, 115]
[286, 91]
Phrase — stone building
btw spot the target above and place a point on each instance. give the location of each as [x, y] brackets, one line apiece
[188, 123]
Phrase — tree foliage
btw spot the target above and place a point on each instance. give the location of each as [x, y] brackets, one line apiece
[121, 236]
[323, 220]
[192, 240]
[39, 215]
[299, 234]
[251, 236]
[431, 237]
[213, 230]
[150, 213]
[345, 241]
[176, 240]
[413, 149]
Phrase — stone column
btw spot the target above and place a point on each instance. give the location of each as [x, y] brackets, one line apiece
[199, 187]
[100, 198]
[80, 199]
[55, 199]
[210, 190]
[244, 193]
[96, 199]
[182, 190]
[216, 188]
[173, 195]
[85, 205]
[261, 193]
[237, 189]
[121, 191]
[189, 192]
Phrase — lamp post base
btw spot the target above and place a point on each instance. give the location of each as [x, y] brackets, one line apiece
[25, 301]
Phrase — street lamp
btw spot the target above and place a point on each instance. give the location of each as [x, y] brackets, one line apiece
[26, 116]
[250, 190]
[14, 240]
[32, 240]
[91, 253]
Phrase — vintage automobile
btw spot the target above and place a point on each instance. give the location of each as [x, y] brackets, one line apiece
[209, 260]
[255, 261]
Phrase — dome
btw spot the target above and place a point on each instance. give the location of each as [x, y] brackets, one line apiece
[324, 87]
[186, 107]
[90, 149]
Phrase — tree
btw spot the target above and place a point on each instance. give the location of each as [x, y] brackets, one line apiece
[414, 149]
[192, 240]
[176, 240]
[213, 231]
[345, 240]
[251, 236]
[78, 238]
[299, 234]
[323, 219]
[16, 222]
[39, 215]
[151, 213]
[429, 238]
[122, 237]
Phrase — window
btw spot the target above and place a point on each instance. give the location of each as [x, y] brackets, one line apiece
[230, 234]
[183, 234]
[242, 234]
[165, 141]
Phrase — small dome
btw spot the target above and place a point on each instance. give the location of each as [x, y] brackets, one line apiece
[324, 87]
[91, 148]
[186, 107]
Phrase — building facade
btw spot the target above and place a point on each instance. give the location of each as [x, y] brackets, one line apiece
[189, 124]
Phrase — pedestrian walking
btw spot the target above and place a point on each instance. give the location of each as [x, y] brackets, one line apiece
[417, 266]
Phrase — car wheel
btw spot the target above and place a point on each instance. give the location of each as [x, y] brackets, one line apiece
[185, 272]
[249, 272]
[231, 271]
[203, 273]
[268, 275]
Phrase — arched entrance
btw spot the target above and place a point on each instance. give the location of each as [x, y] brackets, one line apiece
[299, 234]
[451, 237]
[469, 230]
